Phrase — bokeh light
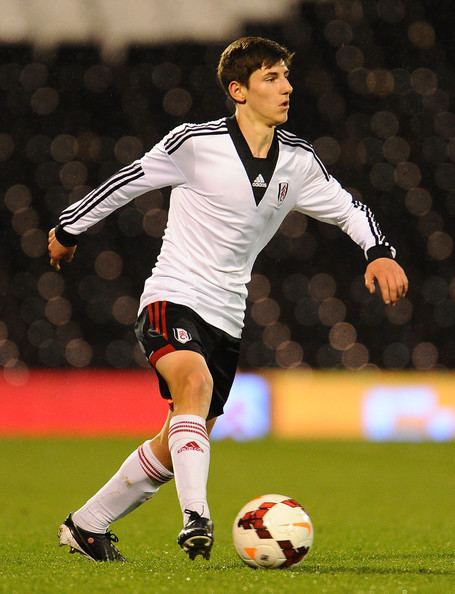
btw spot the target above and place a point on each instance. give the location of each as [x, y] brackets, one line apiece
[154, 222]
[418, 201]
[44, 101]
[125, 310]
[6, 146]
[275, 335]
[177, 102]
[128, 149]
[328, 149]
[396, 356]
[78, 353]
[265, 311]
[401, 313]
[421, 34]
[407, 175]
[338, 33]
[342, 336]
[98, 78]
[108, 265]
[425, 356]
[396, 149]
[385, 124]
[440, 245]
[355, 357]
[331, 311]
[289, 354]
[391, 11]
[380, 82]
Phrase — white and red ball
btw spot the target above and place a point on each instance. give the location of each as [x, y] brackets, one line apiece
[272, 531]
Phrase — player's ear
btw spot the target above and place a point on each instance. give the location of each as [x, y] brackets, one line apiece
[236, 92]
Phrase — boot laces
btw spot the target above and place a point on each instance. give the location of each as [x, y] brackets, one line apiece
[112, 537]
[192, 515]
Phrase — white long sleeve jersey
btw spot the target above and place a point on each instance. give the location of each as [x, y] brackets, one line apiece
[225, 207]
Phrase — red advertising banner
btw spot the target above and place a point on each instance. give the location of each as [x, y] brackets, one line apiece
[85, 402]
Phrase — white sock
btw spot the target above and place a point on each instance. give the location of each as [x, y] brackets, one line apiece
[190, 450]
[137, 479]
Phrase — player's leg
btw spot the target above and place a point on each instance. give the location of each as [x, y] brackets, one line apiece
[160, 445]
[138, 478]
[176, 341]
[87, 530]
[190, 383]
[197, 535]
[143, 472]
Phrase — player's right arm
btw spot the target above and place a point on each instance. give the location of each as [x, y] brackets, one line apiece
[155, 170]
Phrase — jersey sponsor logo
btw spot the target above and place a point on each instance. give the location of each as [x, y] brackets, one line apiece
[259, 182]
[282, 191]
[182, 335]
[191, 445]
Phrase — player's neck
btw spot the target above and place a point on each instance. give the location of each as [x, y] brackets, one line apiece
[258, 135]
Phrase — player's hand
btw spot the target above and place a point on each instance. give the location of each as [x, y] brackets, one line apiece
[57, 251]
[391, 279]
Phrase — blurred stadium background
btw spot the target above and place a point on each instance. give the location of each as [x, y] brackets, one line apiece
[87, 87]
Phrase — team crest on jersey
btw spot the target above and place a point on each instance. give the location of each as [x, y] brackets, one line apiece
[182, 335]
[282, 191]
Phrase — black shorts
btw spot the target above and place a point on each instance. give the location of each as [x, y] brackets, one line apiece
[164, 327]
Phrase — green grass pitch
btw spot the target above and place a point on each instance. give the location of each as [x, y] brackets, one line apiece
[384, 518]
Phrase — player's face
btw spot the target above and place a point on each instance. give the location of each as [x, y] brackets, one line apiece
[267, 95]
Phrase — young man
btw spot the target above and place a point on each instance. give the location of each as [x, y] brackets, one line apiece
[233, 182]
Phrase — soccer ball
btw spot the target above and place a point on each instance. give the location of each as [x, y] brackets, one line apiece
[272, 531]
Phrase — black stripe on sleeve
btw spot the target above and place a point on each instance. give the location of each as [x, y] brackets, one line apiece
[374, 227]
[117, 175]
[293, 137]
[96, 197]
[190, 129]
[306, 147]
[192, 135]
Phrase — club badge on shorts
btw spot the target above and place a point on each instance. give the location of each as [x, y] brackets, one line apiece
[282, 191]
[182, 335]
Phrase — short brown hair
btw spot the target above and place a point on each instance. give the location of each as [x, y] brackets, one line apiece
[247, 54]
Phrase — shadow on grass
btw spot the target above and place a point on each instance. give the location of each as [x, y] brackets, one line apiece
[379, 564]
[371, 570]
[437, 563]
[341, 568]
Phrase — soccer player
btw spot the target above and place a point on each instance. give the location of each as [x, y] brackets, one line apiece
[233, 182]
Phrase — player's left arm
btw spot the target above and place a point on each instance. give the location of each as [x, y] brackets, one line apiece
[323, 198]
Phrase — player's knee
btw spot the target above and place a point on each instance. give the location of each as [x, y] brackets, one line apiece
[191, 382]
[199, 383]
[193, 394]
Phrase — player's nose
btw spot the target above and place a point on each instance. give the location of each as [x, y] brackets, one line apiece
[288, 88]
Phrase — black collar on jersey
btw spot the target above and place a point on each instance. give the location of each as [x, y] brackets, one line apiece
[259, 170]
